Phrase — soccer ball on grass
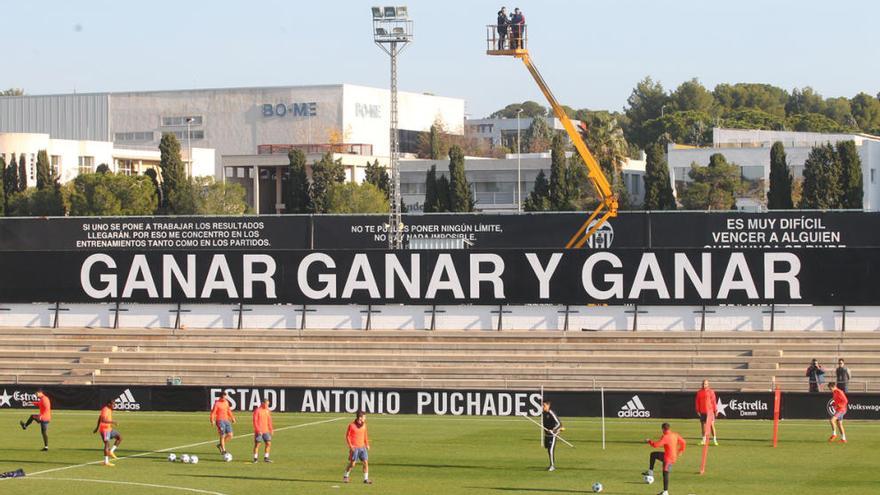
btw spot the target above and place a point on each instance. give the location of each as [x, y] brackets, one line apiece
[597, 487]
[185, 458]
[227, 457]
[172, 457]
[194, 459]
[648, 479]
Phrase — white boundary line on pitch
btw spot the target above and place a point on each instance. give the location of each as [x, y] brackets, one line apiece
[142, 454]
[130, 483]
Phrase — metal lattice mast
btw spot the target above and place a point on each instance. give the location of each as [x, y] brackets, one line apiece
[392, 31]
[395, 219]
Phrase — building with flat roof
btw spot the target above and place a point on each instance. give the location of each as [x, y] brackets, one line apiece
[248, 125]
[69, 158]
[501, 132]
[750, 150]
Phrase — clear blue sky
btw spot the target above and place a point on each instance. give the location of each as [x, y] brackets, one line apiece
[591, 52]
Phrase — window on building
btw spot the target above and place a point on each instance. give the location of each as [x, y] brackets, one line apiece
[133, 137]
[194, 135]
[125, 167]
[55, 164]
[181, 121]
[32, 167]
[873, 173]
[86, 165]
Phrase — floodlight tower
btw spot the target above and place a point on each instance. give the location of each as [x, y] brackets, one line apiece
[392, 31]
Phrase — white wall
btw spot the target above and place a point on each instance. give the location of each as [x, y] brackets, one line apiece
[473, 318]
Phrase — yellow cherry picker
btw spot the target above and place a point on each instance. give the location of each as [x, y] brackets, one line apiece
[512, 41]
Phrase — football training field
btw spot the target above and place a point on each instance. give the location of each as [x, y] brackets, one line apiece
[430, 455]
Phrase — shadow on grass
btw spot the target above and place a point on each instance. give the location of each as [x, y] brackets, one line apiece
[254, 478]
[520, 489]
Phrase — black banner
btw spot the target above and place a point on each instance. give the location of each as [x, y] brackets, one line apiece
[645, 230]
[618, 404]
[661, 277]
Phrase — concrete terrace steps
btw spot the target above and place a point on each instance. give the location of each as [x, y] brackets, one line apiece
[661, 360]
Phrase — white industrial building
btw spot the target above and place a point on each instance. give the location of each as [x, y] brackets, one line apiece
[493, 180]
[750, 150]
[503, 132]
[69, 158]
[248, 125]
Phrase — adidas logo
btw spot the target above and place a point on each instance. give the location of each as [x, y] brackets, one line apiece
[126, 402]
[634, 409]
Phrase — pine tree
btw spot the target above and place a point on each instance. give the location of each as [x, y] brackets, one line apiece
[779, 194]
[154, 179]
[22, 173]
[539, 198]
[11, 180]
[45, 176]
[851, 187]
[559, 187]
[821, 189]
[443, 190]
[378, 176]
[460, 199]
[325, 173]
[4, 202]
[435, 140]
[658, 187]
[298, 198]
[173, 173]
[432, 201]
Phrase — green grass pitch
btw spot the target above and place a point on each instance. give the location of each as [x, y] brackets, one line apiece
[431, 455]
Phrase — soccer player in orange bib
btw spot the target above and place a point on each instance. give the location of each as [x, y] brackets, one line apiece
[43, 418]
[706, 404]
[673, 446]
[263, 430]
[222, 418]
[108, 434]
[358, 444]
[840, 403]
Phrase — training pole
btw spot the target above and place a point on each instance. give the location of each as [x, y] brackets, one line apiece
[557, 435]
[710, 420]
[777, 401]
[541, 431]
[602, 393]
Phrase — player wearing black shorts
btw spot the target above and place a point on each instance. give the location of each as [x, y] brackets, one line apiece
[552, 426]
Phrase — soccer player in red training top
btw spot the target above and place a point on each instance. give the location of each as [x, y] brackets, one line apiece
[222, 418]
[673, 446]
[108, 434]
[706, 404]
[840, 403]
[358, 444]
[43, 418]
[263, 430]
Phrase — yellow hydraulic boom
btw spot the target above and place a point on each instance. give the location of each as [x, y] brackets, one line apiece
[513, 43]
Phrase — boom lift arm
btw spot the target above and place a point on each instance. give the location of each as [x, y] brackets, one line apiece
[515, 46]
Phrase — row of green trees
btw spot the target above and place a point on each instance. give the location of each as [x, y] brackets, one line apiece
[452, 194]
[327, 192]
[688, 113]
[832, 180]
[104, 193]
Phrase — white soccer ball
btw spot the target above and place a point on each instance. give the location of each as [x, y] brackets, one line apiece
[185, 458]
[648, 479]
[172, 457]
[194, 459]
[597, 487]
[227, 457]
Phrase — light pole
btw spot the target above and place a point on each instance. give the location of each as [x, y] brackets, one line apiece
[518, 163]
[392, 31]
[189, 147]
